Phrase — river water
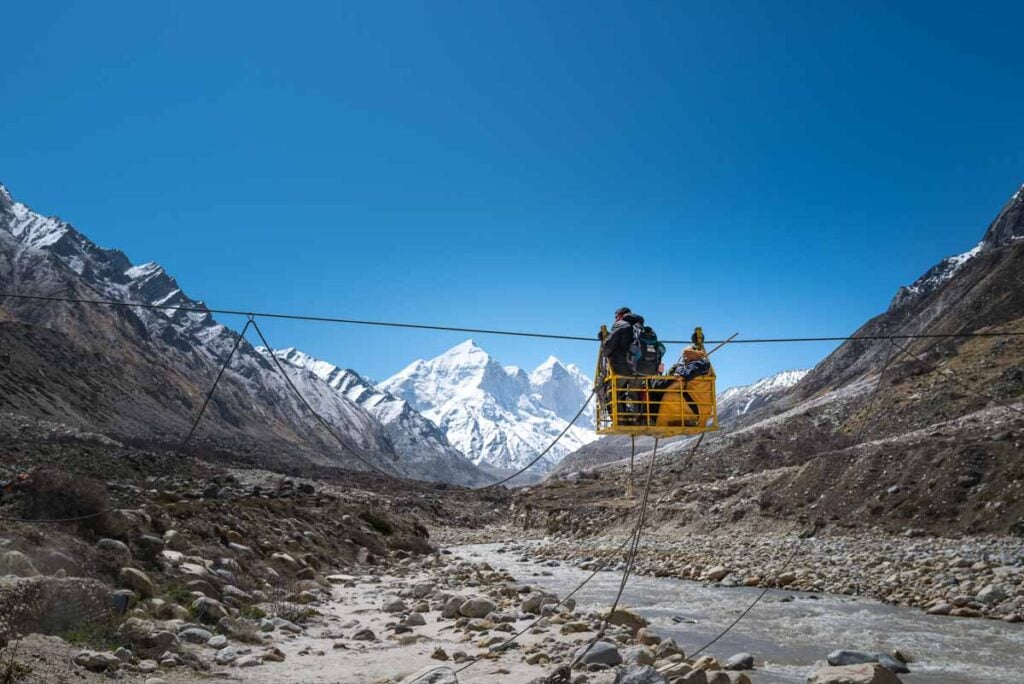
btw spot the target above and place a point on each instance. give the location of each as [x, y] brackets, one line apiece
[790, 632]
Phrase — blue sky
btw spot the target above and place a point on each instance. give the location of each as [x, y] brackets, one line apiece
[774, 169]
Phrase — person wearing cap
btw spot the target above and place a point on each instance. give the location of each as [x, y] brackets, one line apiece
[616, 349]
[616, 345]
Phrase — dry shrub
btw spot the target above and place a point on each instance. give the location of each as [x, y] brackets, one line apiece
[55, 494]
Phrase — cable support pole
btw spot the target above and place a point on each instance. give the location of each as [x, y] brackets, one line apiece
[483, 331]
[178, 450]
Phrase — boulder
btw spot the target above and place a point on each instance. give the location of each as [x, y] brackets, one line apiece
[451, 607]
[175, 541]
[137, 581]
[740, 661]
[195, 635]
[602, 653]
[624, 617]
[208, 609]
[113, 553]
[845, 657]
[18, 564]
[226, 656]
[639, 674]
[648, 638]
[866, 673]
[534, 601]
[716, 573]
[638, 655]
[97, 662]
[667, 648]
[477, 608]
[393, 605]
[992, 594]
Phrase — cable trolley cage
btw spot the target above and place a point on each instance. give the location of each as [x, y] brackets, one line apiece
[654, 405]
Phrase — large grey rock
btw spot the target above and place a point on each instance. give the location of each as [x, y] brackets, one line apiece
[18, 564]
[639, 674]
[226, 656]
[477, 607]
[602, 652]
[536, 600]
[430, 674]
[113, 553]
[137, 581]
[892, 664]
[842, 657]
[627, 618]
[866, 673]
[195, 635]
[845, 657]
[451, 607]
[740, 661]
[97, 662]
[667, 648]
[393, 604]
[638, 656]
[208, 609]
[992, 594]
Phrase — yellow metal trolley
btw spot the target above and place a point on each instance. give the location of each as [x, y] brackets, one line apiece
[654, 405]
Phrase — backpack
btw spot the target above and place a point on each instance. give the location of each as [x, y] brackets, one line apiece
[646, 352]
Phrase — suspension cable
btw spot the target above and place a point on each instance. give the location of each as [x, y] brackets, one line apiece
[480, 331]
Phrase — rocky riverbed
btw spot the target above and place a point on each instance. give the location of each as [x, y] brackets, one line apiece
[977, 577]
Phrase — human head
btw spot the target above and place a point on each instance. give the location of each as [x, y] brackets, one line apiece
[622, 311]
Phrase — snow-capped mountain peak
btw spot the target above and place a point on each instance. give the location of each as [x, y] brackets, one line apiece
[423, 448]
[739, 401]
[495, 414]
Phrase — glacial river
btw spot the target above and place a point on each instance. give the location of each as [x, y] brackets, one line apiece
[788, 632]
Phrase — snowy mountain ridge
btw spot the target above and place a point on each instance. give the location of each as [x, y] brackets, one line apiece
[739, 401]
[495, 415]
[193, 338]
[421, 445]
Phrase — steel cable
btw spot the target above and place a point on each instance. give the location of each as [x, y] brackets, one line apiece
[482, 331]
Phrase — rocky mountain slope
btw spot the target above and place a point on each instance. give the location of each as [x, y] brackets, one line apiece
[498, 416]
[930, 451]
[423, 448]
[140, 375]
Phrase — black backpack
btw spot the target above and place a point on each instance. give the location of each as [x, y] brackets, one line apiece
[646, 352]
